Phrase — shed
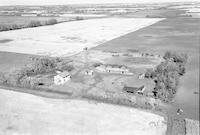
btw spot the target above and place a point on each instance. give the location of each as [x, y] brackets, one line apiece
[141, 90]
[134, 90]
[141, 76]
[130, 89]
[89, 72]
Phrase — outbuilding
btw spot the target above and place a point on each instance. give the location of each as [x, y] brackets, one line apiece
[129, 89]
[89, 72]
[141, 76]
[134, 90]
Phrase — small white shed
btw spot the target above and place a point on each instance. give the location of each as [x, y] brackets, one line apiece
[62, 78]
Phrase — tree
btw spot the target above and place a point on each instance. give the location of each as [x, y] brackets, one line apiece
[51, 22]
[168, 74]
[150, 73]
[176, 57]
[34, 23]
[2, 78]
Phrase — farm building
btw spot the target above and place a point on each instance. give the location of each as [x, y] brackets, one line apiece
[141, 76]
[62, 78]
[141, 90]
[28, 14]
[136, 54]
[118, 69]
[89, 72]
[101, 68]
[134, 90]
[130, 89]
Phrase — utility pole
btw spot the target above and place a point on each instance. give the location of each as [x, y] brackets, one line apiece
[86, 56]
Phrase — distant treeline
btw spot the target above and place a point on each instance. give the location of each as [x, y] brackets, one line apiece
[166, 75]
[33, 23]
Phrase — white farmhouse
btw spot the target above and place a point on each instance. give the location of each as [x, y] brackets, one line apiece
[62, 78]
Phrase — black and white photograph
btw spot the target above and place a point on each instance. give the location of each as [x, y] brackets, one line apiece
[99, 67]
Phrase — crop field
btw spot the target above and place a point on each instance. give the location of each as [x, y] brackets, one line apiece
[9, 61]
[36, 115]
[69, 38]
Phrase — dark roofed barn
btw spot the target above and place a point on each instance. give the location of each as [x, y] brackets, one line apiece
[134, 90]
[130, 89]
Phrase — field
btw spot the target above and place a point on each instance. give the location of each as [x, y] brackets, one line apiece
[8, 61]
[69, 38]
[176, 34]
[192, 127]
[112, 40]
[30, 114]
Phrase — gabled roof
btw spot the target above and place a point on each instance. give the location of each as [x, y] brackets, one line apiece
[130, 89]
[64, 74]
[140, 88]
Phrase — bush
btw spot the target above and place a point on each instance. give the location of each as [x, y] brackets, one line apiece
[26, 77]
[41, 65]
[97, 64]
[2, 78]
[51, 22]
[79, 18]
[150, 73]
[66, 68]
[12, 78]
[4, 28]
[168, 74]
[34, 23]
[166, 86]
[29, 82]
[175, 57]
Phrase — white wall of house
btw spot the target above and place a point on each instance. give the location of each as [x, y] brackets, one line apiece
[59, 80]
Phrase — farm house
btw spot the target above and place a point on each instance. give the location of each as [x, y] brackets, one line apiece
[62, 78]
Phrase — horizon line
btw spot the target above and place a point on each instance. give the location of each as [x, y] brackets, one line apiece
[122, 3]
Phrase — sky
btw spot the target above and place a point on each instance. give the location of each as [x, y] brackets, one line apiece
[62, 2]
